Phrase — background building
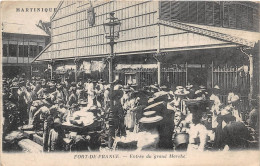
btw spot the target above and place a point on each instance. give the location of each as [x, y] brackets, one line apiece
[20, 45]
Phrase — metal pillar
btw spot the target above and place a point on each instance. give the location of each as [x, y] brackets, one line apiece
[251, 76]
[110, 60]
[159, 72]
[110, 70]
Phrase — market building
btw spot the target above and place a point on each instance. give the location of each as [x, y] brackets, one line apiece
[21, 44]
[169, 42]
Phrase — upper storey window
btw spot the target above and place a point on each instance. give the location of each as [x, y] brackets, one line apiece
[239, 15]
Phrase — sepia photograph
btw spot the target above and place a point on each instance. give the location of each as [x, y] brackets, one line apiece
[102, 78]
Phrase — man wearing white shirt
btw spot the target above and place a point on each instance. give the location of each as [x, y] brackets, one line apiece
[91, 93]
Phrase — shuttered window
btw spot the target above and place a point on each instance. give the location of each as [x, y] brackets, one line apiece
[184, 11]
[165, 10]
[209, 13]
[216, 14]
[232, 15]
[26, 50]
[175, 10]
[193, 12]
[21, 51]
[5, 47]
[225, 15]
[30, 51]
[201, 12]
[13, 50]
[255, 20]
[244, 18]
[239, 15]
[250, 18]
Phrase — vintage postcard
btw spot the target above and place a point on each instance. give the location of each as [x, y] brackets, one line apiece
[114, 82]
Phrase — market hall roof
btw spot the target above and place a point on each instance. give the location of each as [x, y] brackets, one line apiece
[22, 29]
[72, 36]
[221, 36]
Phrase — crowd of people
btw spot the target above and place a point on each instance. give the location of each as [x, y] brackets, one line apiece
[152, 118]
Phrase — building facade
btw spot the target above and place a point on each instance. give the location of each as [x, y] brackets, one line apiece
[20, 46]
[169, 42]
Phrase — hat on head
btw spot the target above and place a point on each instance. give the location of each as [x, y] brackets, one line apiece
[202, 87]
[198, 92]
[52, 85]
[158, 96]
[179, 87]
[189, 86]
[225, 111]
[155, 86]
[116, 81]
[57, 121]
[150, 117]
[43, 82]
[73, 84]
[155, 106]
[58, 86]
[15, 87]
[216, 87]
[15, 80]
[79, 85]
[38, 82]
[72, 88]
[126, 88]
[233, 99]
[74, 105]
[163, 87]
[107, 86]
[181, 92]
[149, 113]
[101, 81]
[83, 102]
[21, 83]
[118, 87]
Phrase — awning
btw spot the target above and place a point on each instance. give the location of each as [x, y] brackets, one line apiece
[240, 37]
[247, 35]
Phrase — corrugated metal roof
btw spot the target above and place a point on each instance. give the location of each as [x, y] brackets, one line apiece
[22, 29]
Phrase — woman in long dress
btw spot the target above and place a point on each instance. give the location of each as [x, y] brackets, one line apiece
[197, 132]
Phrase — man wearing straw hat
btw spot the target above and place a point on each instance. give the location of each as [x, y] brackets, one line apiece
[179, 95]
[233, 101]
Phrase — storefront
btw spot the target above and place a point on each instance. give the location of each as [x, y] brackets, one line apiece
[157, 45]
